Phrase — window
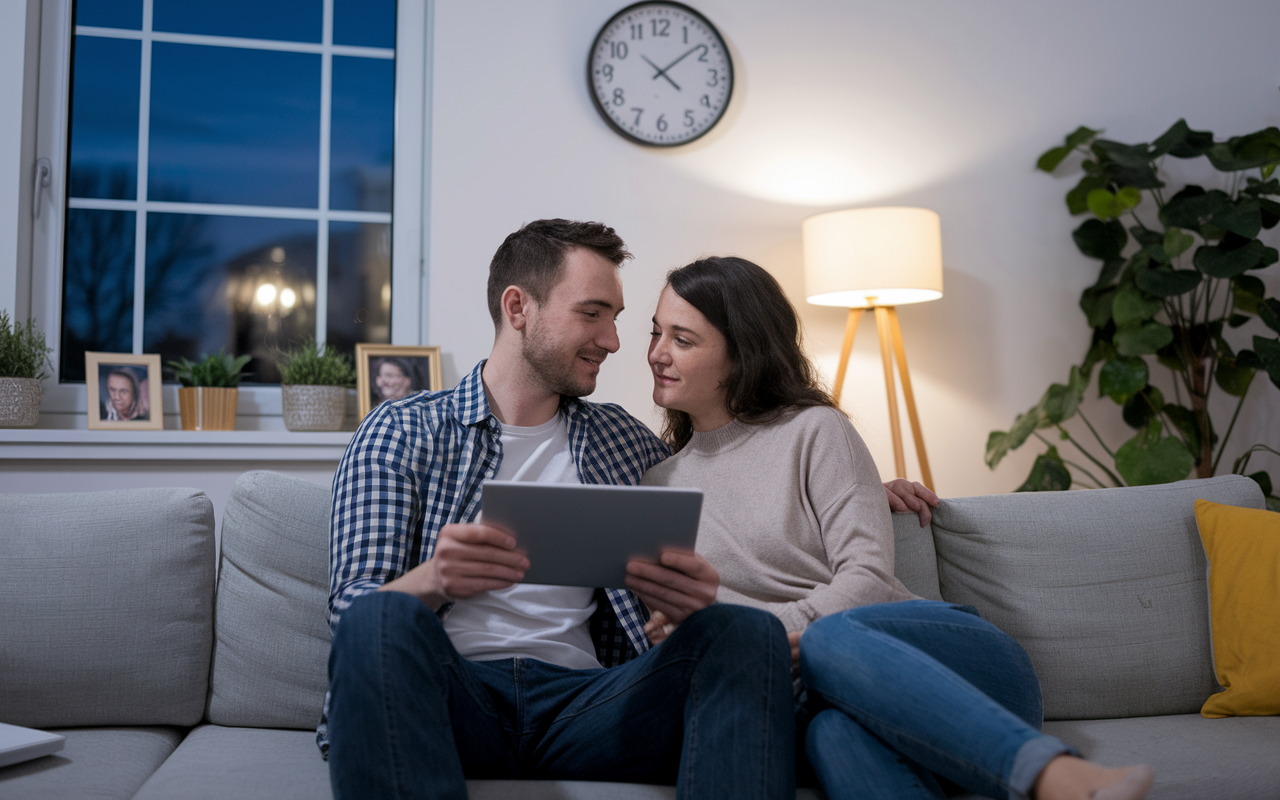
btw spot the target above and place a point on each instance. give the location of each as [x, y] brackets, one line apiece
[228, 177]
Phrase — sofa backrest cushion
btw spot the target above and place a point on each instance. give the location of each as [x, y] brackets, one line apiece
[1105, 589]
[270, 658]
[915, 561]
[107, 602]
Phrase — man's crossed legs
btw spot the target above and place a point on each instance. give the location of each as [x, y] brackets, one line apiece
[710, 709]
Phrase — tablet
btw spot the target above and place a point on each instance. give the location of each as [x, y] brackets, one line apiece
[19, 744]
[583, 535]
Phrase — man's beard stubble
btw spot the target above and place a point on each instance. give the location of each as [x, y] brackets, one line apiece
[556, 368]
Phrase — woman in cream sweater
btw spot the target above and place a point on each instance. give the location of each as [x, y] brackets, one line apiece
[900, 695]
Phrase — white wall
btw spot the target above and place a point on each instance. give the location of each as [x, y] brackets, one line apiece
[934, 103]
[838, 104]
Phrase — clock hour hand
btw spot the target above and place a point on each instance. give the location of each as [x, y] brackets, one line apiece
[661, 72]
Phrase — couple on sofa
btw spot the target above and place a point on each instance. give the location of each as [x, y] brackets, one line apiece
[445, 666]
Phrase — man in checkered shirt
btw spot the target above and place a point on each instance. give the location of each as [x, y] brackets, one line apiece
[444, 666]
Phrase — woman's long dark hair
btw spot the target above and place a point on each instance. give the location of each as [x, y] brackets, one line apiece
[769, 372]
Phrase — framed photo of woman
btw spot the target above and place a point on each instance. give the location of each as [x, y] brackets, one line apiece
[123, 391]
[391, 372]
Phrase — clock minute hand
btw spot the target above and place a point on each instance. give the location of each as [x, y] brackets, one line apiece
[660, 72]
[678, 60]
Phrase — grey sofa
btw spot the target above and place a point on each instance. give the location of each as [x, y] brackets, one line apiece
[112, 633]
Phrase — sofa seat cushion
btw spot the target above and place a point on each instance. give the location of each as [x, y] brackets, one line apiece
[270, 656]
[1193, 757]
[95, 763]
[1105, 589]
[217, 762]
[108, 607]
[214, 763]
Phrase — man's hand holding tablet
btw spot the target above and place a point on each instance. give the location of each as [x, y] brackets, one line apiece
[469, 558]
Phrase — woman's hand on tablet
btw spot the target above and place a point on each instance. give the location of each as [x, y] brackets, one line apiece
[469, 558]
[681, 583]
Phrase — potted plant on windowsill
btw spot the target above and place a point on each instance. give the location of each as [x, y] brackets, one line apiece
[23, 356]
[314, 380]
[207, 399]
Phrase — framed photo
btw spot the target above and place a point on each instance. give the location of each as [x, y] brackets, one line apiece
[389, 372]
[123, 391]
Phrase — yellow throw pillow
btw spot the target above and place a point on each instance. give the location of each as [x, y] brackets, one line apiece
[1243, 546]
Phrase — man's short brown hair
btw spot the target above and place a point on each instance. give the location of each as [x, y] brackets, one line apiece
[533, 257]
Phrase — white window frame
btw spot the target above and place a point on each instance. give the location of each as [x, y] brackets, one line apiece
[409, 202]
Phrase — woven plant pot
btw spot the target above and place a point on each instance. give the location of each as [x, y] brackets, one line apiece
[19, 402]
[208, 408]
[314, 408]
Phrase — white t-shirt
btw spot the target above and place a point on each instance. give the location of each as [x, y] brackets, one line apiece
[548, 623]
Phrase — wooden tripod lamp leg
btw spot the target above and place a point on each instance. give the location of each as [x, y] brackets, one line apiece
[896, 332]
[886, 356]
[850, 329]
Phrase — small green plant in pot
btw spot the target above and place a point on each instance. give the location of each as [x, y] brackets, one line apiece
[1178, 291]
[23, 358]
[314, 380]
[209, 393]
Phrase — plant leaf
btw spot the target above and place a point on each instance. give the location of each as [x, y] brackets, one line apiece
[1269, 313]
[1233, 378]
[1168, 282]
[1192, 207]
[1176, 242]
[1122, 378]
[1077, 197]
[1247, 293]
[1268, 352]
[999, 443]
[1148, 458]
[1142, 407]
[1182, 142]
[1081, 135]
[1131, 304]
[1096, 305]
[1101, 240]
[1048, 474]
[1184, 419]
[1051, 158]
[1243, 218]
[1139, 339]
[1251, 151]
[1230, 258]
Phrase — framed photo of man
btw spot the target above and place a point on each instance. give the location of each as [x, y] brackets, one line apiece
[123, 391]
[390, 372]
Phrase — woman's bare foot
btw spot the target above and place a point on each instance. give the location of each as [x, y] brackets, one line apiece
[1071, 778]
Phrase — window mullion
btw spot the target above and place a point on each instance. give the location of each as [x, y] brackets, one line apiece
[322, 233]
[140, 219]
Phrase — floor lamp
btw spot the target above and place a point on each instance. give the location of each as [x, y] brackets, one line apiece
[877, 258]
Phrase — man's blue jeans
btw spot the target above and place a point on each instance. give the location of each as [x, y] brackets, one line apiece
[901, 693]
[710, 709]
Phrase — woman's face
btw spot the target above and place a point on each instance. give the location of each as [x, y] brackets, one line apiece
[689, 358]
[393, 384]
[120, 390]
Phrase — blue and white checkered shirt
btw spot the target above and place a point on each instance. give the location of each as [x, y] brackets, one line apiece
[417, 464]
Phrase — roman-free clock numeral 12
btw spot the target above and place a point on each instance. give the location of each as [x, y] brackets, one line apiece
[660, 74]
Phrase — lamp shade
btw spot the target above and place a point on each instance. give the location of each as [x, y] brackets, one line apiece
[873, 256]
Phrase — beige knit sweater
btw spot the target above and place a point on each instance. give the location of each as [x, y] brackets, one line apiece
[794, 516]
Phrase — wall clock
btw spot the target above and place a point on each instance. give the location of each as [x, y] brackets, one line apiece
[660, 74]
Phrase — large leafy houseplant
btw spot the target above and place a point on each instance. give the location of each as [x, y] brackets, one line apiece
[1174, 291]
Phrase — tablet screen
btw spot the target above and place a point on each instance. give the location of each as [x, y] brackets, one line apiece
[583, 535]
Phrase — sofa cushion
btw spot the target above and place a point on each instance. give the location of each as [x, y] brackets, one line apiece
[270, 658]
[1193, 757]
[104, 763]
[1243, 547]
[1104, 588]
[108, 607]
[915, 561]
[218, 762]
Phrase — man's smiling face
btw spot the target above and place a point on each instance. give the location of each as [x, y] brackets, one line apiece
[569, 335]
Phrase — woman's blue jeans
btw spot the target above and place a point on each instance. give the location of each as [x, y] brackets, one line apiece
[710, 709]
[902, 693]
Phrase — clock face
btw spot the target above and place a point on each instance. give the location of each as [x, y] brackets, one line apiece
[660, 74]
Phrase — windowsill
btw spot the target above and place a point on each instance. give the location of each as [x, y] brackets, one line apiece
[172, 445]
